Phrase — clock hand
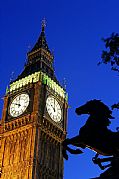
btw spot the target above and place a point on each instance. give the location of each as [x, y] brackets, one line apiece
[16, 104]
[54, 105]
[19, 104]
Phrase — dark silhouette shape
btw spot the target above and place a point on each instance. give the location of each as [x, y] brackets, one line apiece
[111, 53]
[95, 134]
[113, 170]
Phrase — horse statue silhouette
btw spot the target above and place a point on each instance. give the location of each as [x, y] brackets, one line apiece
[95, 134]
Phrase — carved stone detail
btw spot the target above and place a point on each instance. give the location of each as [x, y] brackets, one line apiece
[17, 158]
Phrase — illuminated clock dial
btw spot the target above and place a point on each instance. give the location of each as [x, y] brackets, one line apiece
[19, 105]
[53, 109]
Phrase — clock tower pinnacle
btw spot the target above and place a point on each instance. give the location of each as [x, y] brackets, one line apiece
[34, 119]
[43, 25]
[40, 57]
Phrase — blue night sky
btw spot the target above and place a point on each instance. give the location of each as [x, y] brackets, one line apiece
[74, 31]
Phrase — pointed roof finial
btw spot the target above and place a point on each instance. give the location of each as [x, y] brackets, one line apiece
[43, 24]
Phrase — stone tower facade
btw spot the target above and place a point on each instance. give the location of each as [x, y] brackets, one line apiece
[34, 120]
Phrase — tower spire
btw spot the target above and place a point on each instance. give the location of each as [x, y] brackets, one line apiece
[43, 25]
[40, 57]
[41, 42]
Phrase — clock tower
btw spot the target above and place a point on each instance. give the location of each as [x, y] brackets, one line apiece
[34, 119]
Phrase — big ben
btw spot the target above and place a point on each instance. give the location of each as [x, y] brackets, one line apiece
[34, 119]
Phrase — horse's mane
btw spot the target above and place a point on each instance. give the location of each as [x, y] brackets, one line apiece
[99, 108]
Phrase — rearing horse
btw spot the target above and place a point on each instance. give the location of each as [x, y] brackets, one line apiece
[94, 134]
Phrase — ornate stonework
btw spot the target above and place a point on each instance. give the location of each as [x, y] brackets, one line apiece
[17, 153]
[30, 144]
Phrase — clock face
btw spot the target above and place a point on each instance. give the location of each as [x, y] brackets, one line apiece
[19, 105]
[53, 108]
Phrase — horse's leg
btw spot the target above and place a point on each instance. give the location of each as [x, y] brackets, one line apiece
[75, 141]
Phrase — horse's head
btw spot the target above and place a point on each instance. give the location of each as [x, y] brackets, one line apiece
[95, 107]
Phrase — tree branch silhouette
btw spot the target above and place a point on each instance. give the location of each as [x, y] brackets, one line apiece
[111, 53]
